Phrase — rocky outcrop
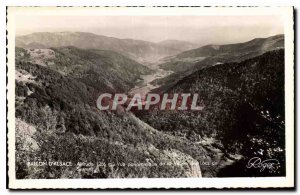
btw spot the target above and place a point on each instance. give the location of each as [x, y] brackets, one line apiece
[191, 166]
[188, 166]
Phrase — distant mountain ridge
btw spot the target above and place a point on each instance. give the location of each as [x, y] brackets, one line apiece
[187, 62]
[224, 53]
[141, 51]
[257, 44]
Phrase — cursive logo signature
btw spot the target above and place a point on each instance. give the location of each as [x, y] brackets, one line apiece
[270, 164]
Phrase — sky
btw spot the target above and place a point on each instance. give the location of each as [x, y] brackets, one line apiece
[197, 29]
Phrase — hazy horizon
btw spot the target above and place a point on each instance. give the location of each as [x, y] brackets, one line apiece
[196, 29]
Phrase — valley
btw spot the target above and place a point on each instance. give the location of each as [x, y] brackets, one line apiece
[60, 75]
[144, 85]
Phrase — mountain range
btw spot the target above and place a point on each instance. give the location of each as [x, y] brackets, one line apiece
[60, 75]
[141, 51]
[187, 62]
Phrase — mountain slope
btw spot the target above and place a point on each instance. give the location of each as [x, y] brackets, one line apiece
[141, 51]
[103, 70]
[243, 108]
[190, 61]
[259, 45]
[211, 54]
[57, 120]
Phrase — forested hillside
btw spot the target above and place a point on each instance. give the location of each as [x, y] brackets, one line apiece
[243, 109]
[190, 61]
[57, 120]
[103, 70]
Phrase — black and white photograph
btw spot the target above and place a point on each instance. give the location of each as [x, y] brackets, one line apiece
[99, 95]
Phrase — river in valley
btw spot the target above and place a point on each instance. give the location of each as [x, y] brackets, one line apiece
[144, 86]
